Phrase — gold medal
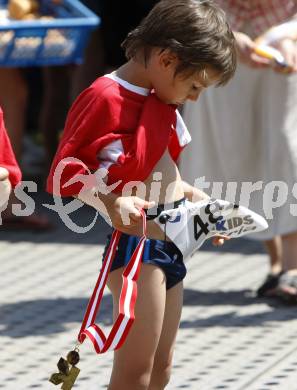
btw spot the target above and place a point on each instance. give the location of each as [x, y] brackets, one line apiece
[67, 371]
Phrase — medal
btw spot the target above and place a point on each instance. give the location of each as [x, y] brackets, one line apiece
[67, 371]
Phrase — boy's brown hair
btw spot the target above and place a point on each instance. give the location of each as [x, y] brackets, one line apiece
[195, 30]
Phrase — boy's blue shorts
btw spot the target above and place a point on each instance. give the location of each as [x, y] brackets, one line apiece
[163, 254]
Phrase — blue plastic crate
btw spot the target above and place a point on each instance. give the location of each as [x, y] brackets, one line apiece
[37, 42]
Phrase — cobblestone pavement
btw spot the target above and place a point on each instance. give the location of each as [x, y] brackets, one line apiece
[228, 339]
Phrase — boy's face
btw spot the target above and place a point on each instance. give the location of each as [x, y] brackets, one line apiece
[177, 89]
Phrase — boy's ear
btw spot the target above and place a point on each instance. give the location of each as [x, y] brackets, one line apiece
[167, 59]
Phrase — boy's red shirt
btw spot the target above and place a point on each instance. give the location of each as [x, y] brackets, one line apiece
[109, 114]
[7, 157]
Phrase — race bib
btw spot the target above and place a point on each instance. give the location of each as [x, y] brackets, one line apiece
[189, 225]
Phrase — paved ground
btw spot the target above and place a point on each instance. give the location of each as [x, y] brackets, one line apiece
[228, 339]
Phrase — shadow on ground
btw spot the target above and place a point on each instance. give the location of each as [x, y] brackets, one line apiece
[273, 310]
[49, 316]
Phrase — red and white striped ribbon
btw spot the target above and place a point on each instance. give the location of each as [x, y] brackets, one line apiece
[127, 300]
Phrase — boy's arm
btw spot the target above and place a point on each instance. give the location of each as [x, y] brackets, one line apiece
[193, 193]
[123, 211]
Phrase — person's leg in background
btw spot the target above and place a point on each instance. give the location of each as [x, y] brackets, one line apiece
[55, 104]
[275, 252]
[282, 279]
[289, 243]
[278, 116]
[274, 249]
[92, 67]
[287, 286]
[13, 99]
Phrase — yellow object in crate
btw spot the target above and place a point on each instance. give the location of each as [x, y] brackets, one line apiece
[23, 9]
[44, 32]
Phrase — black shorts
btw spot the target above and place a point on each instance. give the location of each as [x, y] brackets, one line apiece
[163, 254]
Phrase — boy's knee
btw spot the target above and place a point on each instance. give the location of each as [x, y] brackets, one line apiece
[136, 376]
[142, 373]
[161, 375]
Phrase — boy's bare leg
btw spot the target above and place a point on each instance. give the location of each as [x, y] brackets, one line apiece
[164, 354]
[133, 362]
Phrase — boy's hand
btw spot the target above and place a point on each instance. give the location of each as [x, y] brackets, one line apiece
[3, 174]
[5, 189]
[245, 49]
[219, 240]
[288, 49]
[125, 213]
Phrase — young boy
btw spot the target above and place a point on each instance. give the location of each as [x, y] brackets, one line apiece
[10, 174]
[127, 123]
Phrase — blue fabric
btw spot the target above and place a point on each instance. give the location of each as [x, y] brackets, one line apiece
[163, 254]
